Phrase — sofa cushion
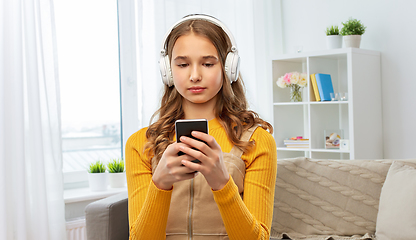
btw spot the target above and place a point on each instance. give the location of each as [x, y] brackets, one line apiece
[397, 211]
[322, 198]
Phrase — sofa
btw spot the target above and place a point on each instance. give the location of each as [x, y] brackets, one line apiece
[316, 199]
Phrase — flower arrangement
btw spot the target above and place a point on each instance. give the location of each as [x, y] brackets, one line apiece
[295, 81]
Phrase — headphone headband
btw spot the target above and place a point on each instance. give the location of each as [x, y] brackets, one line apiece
[199, 17]
[232, 61]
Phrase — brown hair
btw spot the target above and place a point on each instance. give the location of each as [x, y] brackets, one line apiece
[231, 107]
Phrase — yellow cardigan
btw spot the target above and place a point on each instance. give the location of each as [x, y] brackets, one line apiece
[250, 218]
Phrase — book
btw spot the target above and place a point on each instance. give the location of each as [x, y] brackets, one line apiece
[296, 141]
[325, 88]
[298, 146]
[315, 88]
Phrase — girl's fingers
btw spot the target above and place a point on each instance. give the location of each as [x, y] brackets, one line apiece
[210, 140]
[195, 167]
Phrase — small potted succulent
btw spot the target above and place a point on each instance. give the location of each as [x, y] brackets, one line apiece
[352, 31]
[97, 176]
[333, 39]
[116, 176]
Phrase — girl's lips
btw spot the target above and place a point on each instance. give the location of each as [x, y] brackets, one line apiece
[196, 89]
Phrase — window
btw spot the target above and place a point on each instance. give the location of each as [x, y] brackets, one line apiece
[87, 41]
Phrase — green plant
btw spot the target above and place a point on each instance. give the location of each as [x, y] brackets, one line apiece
[116, 166]
[333, 30]
[96, 167]
[353, 27]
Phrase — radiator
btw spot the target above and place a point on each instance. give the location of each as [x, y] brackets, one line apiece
[76, 230]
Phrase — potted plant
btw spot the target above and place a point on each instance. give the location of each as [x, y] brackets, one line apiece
[116, 176]
[352, 31]
[333, 39]
[97, 176]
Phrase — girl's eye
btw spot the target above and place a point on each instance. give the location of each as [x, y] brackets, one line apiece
[208, 64]
[182, 65]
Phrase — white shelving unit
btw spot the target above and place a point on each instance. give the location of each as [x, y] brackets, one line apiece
[354, 71]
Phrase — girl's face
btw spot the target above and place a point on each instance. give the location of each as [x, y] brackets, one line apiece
[196, 69]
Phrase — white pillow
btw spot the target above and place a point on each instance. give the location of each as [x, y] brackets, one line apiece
[396, 218]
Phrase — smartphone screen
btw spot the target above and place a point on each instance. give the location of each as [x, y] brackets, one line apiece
[184, 127]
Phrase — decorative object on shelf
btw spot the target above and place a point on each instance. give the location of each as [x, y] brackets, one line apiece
[343, 96]
[352, 31]
[344, 144]
[298, 48]
[333, 138]
[334, 96]
[325, 88]
[339, 96]
[333, 39]
[295, 81]
[97, 176]
[116, 176]
[296, 142]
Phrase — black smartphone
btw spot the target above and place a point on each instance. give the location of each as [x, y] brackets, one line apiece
[184, 127]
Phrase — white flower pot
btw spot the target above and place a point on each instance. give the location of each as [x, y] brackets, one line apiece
[117, 180]
[352, 41]
[97, 181]
[334, 41]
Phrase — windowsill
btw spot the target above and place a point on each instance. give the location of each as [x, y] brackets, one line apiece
[85, 194]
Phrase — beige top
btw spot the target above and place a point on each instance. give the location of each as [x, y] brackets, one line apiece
[193, 212]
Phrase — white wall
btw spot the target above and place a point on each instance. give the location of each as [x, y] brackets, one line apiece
[390, 30]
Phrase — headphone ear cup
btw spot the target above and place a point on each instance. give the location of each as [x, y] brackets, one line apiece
[232, 66]
[165, 70]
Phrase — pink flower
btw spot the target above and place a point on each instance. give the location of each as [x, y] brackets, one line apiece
[292, 79]
[287, 77]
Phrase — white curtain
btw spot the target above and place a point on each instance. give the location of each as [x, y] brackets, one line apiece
[31, 189]
[255, 24]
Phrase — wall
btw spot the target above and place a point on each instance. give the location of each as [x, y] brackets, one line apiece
[390, 31]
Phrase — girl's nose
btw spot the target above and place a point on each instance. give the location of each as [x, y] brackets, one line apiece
[195, 75]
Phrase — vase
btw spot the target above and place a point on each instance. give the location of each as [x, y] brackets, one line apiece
[97, 181]
[334, 41]
[295, 94]
[117, 180]
[352, 41]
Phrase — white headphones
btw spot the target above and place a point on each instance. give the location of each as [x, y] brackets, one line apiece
[232, 61]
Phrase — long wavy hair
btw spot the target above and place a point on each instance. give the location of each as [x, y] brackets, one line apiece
[231, 107]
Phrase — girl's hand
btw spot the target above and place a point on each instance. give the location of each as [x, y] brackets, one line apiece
[212, 164]
[170, 168]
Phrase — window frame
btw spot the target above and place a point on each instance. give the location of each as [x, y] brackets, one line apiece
[129, 100]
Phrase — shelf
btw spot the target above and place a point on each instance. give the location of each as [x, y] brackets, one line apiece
[340, 53]
[85, 194]
[312, 150]
[354, 71]
[289, 103]
[329, 102]
[329, 150]
[305, 103]
[292, 149]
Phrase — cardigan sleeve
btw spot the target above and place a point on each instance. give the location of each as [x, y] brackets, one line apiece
[148, 205]
[251, 218]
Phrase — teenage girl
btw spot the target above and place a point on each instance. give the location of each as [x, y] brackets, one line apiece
[230, 193]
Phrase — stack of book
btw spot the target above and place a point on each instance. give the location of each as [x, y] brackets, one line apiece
[298, 143]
